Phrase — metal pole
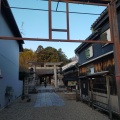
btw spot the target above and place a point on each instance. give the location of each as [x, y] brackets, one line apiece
[0, 12]
[110, 23]
[80, 2]
[53, 40]
[50, 20]
[116, 48]
[67, 18]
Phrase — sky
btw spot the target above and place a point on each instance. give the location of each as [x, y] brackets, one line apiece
[34, 24]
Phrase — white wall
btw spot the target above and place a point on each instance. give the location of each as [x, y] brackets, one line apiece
[9, 64]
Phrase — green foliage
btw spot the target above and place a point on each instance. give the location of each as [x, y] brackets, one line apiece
[40, 47]
[27, 56]
[48, 54]
[62, 57]
[26, 49]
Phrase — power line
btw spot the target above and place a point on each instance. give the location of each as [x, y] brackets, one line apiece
[57, 5]
[35, 9]
[53, 10]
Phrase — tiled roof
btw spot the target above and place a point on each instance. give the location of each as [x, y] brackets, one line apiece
[71, 64]
[104, 13]
[99, 18]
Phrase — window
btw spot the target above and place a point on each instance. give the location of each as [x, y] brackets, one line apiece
[89, 52]
[90, 70]
[105, 36]
[99, 85]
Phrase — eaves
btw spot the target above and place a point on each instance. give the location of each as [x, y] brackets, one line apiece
[93, 36]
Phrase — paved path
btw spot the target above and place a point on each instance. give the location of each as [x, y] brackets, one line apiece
[50, 109]
[48, 88]
[48, 99]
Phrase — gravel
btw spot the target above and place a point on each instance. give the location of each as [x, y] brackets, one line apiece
[72, 110]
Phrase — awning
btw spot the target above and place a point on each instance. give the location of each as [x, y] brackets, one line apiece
[98, 74]
[70, 79]
[95, 75]
[82, 77]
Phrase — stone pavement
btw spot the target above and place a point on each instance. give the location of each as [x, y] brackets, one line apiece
[48, 88]
[48, 99]
[69, 110]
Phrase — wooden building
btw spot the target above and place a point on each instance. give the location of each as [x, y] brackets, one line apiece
[70, 74]
[96, 66]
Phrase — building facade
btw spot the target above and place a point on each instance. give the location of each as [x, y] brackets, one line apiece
[10, 85]
[70, 74]
[96, 61]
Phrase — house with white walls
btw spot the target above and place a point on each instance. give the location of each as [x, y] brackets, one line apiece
[10, 85]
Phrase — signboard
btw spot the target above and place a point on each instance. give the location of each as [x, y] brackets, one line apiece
[71, 83]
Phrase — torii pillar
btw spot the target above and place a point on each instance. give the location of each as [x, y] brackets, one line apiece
[55, 67]
[55, 76]
[55, 73]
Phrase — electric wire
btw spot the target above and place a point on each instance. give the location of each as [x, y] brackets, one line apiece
[24, 8]
[57, 5]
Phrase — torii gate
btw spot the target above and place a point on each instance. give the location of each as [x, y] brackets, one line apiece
[111, 5]
[53, 66]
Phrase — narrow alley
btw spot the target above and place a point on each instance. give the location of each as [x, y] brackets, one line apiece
[50, 105]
